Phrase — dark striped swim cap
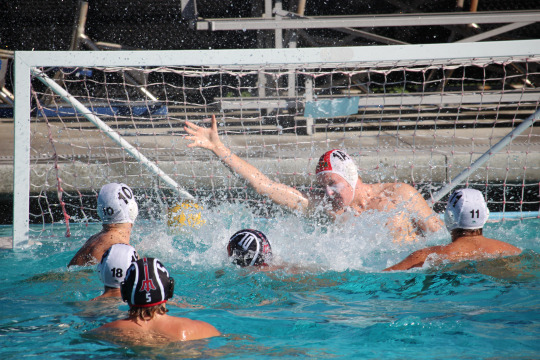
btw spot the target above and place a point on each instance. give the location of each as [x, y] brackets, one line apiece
[249, 247]
[147, 283]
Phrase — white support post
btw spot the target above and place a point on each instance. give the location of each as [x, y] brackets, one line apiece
[278, 32]
[291, 89]
[21, 160]
[309, 97]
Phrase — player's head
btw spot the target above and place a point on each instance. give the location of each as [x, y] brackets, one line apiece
[147, 283]
[466, 209]
[333, 166]
[114, 264]
[249, 247]
[116, 204]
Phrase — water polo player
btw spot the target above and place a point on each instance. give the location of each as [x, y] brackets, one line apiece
[337, 175]
[465, 216]
[146, 288]
[113, 268]
[118, 210]
[249, 247]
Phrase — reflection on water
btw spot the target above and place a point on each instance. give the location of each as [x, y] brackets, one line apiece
[329, 299]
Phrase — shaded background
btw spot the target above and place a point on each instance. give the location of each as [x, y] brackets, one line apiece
[158, 24]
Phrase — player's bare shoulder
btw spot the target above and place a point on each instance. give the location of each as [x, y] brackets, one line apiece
[498, 246]
[404, 191]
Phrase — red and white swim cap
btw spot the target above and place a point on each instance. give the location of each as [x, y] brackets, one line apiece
[338, 162]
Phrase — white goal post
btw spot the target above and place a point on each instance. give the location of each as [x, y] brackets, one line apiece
[274, 99]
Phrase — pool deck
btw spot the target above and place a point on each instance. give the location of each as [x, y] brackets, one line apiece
[6, 242]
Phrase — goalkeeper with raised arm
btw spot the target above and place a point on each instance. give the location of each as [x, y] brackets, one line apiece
[344, 192]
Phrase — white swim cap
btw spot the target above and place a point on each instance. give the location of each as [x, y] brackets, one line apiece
[338, 162]
[116, 204]
[466, 209]
[114, 264]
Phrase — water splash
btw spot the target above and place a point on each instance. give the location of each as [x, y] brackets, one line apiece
[359, 243]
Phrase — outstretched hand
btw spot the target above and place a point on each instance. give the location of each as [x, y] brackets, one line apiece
[203, 137]
[281, 194]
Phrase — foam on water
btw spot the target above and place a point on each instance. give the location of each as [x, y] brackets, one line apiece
[293, 240]
[357, 243]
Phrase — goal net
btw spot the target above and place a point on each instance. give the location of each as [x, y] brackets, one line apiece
[420, 114]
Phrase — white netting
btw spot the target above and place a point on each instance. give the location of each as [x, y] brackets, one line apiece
[416, 122]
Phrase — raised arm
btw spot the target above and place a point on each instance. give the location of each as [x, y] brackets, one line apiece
[281, 194]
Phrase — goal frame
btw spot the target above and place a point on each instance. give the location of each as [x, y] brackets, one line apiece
[25, 61]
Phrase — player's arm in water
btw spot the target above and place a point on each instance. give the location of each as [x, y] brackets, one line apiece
[87, 254]
[416, 259]
[281, 194]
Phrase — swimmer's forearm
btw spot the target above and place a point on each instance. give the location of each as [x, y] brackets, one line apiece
[279, 193]
[414, 260]
[208, 138]
[400, 267]
[426, 219]
[239, 166]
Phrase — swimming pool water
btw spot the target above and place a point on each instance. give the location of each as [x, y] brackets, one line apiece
[335, 303]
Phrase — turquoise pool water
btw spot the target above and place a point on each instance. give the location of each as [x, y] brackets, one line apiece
[336, 303]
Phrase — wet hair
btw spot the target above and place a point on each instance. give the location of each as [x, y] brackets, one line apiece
[147, 313]
[466, 232]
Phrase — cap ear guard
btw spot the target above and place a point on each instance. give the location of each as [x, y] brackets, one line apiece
[125, 290]
[450, 220]
[170, 289]
[100, 266]
[133, 211]
[243, 259]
